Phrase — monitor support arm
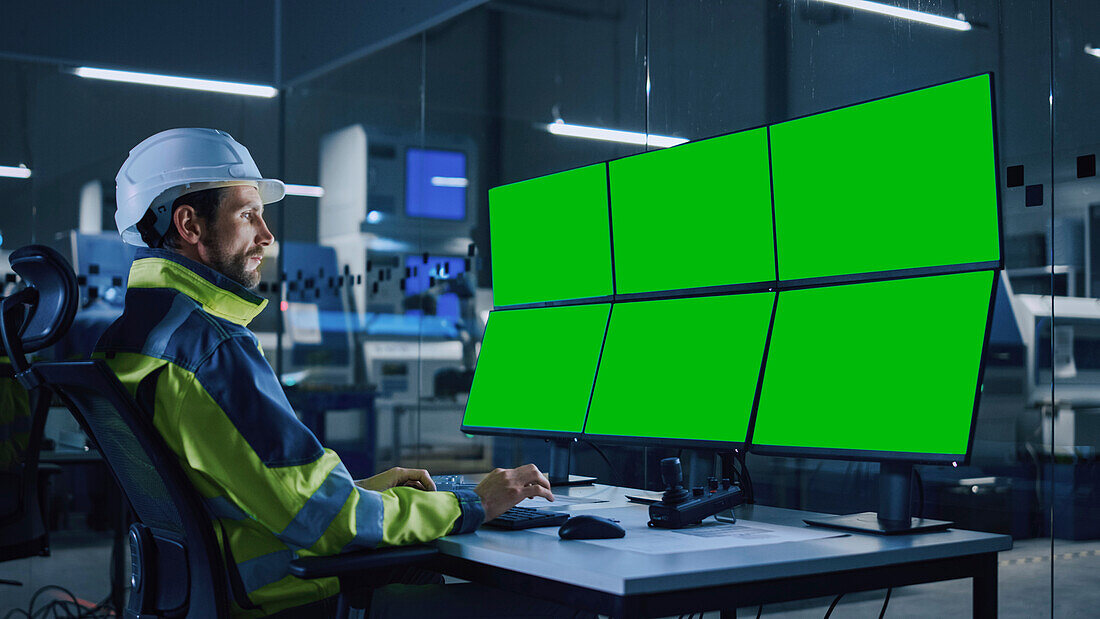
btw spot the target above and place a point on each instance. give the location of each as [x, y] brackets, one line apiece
[894, 515]
[561, 451]
[894, 479]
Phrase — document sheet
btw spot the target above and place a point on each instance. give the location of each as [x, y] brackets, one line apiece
[709, 535]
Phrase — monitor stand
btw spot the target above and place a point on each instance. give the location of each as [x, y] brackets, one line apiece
[894, 516]
[560, 454]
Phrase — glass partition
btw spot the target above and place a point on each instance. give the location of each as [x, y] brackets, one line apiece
[1070, 408]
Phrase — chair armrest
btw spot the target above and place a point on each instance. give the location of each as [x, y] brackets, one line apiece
[362, 561]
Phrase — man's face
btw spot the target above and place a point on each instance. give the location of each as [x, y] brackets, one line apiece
[234, 243]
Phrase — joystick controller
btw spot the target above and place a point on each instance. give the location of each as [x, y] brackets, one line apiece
[681, 507]
[673, 476]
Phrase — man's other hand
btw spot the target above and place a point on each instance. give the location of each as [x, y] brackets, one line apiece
[397, 476]
[502, 489]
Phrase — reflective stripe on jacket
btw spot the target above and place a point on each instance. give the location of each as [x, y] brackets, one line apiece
[275, 491]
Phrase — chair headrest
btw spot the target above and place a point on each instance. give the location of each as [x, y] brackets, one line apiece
[48, 316]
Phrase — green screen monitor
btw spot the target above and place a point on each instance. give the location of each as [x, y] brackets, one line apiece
[884, 371]
[551, 238]
[905, 182]
[681, 371]
[535, 371]
[710, 200]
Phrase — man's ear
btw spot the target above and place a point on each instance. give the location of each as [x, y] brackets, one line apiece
[190, 226]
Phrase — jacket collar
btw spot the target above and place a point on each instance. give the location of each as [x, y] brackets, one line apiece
[218, 295]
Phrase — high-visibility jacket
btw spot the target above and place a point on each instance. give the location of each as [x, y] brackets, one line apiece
[270, 486]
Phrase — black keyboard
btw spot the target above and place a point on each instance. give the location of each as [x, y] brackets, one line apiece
[526, 518]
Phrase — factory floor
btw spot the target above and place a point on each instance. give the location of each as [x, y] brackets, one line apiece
[81, 558]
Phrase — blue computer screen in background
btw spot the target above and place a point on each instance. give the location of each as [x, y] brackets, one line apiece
[435, 184]
[419, 280]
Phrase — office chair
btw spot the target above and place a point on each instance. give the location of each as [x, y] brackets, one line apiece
[177, 569]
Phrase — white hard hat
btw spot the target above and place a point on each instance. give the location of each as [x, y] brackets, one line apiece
[172, 163]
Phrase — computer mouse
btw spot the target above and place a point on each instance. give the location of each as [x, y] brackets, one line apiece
[590, 527]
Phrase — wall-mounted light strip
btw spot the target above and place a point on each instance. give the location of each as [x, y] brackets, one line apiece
[893, 11]
[1092, 51]
[19, 171]
[172, 81]
[309, 191]
[612, 135]
[450, 181]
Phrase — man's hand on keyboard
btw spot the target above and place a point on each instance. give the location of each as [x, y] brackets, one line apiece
[502, 489]
[397, 476]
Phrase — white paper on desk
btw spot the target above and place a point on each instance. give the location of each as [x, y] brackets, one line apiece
[707, 536]
[560, 500]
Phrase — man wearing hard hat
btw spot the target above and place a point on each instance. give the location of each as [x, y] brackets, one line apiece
[192, 200]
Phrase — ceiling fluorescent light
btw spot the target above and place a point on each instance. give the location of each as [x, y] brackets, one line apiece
[893, 11]
[233, 88]
[1092, 51]
[309, 191]
[19, 171]
[449, 181]
[612, 135]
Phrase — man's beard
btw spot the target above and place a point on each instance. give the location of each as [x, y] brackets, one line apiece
[235, 266]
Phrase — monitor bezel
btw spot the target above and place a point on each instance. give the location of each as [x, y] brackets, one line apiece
[829, 453]
[748, 287]
[532, 433]
[998, 264]
[617, 439]
[604, 298]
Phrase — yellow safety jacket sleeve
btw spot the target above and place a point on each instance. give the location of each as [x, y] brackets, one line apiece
[306, 498]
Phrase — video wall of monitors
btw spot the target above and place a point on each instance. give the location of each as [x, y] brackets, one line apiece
[772, 289]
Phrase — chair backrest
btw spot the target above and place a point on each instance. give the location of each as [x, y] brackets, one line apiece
[184, 572]
[39, 314]
[177, 568]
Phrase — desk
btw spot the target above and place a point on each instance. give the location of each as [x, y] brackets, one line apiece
[629, 584]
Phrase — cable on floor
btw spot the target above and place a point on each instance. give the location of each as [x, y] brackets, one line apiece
[71, 608]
